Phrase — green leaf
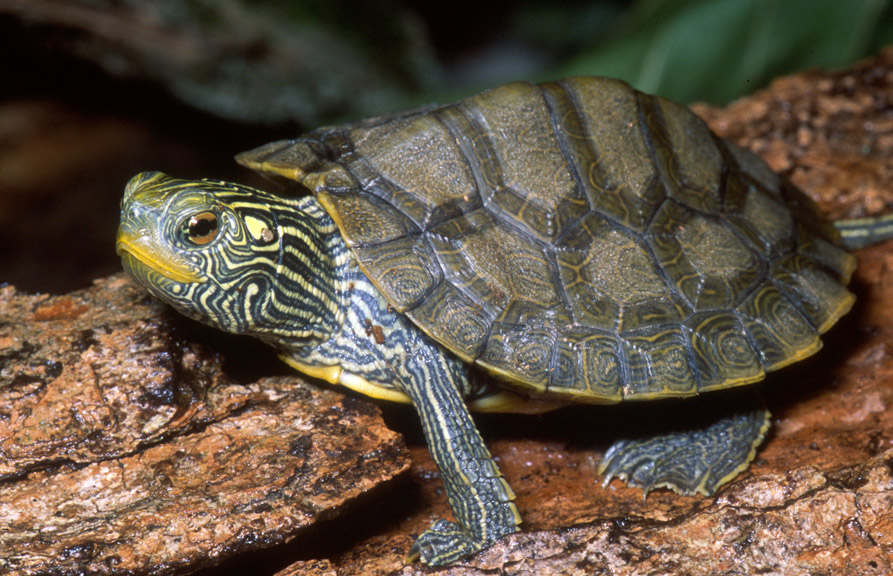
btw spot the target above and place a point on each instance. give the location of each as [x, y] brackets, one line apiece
[715, 50]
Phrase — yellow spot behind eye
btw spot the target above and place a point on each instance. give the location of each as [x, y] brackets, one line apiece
[259, 229]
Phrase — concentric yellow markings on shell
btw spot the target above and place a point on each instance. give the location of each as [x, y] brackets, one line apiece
[454, 319]
[520, 348]
[821, 298]
[589, 364]
[404, 268]
[723, 355]
[780, 331]
[658, 366]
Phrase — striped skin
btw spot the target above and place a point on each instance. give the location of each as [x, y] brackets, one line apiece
[861, 232]
[279, 270]
[246, 282]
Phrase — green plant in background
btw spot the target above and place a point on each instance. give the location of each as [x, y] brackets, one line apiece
[717, 50]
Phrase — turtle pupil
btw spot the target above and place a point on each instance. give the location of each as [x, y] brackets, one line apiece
[203, 228]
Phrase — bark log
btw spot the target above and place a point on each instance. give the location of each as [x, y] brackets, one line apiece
[125, 449]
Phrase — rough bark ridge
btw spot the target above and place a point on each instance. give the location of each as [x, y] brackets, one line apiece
[124, 449]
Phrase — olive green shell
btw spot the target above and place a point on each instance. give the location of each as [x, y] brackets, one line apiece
[579, 238]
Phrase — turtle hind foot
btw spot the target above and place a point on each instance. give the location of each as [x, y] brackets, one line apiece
[444, 543]
[691, 461]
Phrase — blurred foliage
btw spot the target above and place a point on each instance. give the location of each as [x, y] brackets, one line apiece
[308, 62]
[379, 29]
[265, 62]
[713, 50]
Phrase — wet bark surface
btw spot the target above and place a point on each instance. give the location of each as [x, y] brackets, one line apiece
[132, 443]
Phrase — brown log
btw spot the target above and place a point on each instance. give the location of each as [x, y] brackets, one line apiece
[124, 449]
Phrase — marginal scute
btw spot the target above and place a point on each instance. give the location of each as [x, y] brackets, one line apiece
[289, 159]
[405, 268]
[723, 354]
[453, 319]
[780, 332]
[820, 296]
[513, 348]
[837, 260]
[658, 365]
[364, 220]
[588, 364]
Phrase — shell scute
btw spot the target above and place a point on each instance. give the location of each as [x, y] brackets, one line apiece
[579, 238]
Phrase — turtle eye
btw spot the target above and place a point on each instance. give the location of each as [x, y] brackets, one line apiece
[203, 228]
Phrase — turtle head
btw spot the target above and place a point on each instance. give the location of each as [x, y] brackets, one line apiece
[211, 249]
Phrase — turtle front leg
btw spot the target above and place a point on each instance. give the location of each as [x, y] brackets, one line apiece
[479, 496]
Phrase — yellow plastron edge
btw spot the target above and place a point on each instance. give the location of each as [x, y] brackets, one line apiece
[502, 401]
[335, 375]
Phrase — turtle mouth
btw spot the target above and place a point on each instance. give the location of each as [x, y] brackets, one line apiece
[130, 247]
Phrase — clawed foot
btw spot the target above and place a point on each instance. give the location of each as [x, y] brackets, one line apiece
[691, 461]
[444, 543]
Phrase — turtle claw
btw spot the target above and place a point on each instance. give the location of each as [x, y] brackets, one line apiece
[443, 543]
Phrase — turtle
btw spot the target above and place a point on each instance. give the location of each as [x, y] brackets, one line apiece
[532, 246]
